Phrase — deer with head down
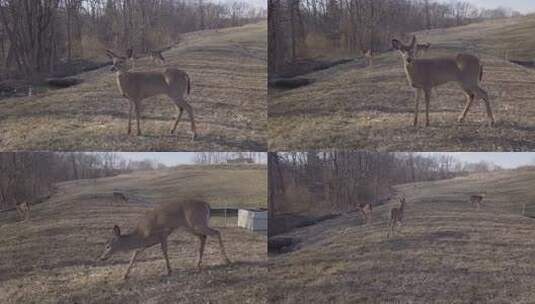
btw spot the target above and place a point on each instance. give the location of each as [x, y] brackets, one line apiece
[138, 86]
[154, 228]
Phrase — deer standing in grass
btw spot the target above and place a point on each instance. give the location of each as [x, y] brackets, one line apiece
[368, 54]
[137, 86]
[421, 49]
[366, 210]
[396, 217]
[424, 74]
[154, 228]
[23, 211]
[476, 200]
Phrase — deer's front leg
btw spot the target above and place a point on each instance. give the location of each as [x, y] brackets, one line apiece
[417, 106]
[130, 118]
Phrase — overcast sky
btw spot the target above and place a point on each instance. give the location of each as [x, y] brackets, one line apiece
[166, 158]
[523, 6]
[504, 160]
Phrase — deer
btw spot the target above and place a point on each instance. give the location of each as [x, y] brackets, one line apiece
[120, 197]
[368, 54]
[137, 86]
[425, 74]
[422, 48]
[154, 228]
[366, 210]
[396, 216]
[156, 55]
[23, 210]
[476, 199]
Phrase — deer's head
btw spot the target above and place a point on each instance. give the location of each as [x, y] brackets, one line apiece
[408, 52]
[113, 245]
[118, 62]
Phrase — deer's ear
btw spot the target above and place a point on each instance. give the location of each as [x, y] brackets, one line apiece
[396, 44]
[116, 230]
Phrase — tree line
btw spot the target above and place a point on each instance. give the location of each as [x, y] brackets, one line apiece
[214, 158]
[30, 176]
[37, 37]
[299, 181]
[300, 29]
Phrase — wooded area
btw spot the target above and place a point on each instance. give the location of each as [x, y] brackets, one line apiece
[213, 158]
[39, 38]
[29, 176]
[300, 29]
[340, 180]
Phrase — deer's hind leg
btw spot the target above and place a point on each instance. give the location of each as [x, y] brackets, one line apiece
[163, 244]
[182, 104]
[427, 94]
[180, 110]
[485, 96]
[207, 231]
[469, 100]
[417, 106]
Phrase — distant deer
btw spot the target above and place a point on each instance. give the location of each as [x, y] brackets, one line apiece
[422, 48]
[424, 74]
[23, 210]
[137, 86]
[396, 217]
[155, 227]
[368, 54]
[476, 200]
[156, 55]
[366, 210]
[120, 197]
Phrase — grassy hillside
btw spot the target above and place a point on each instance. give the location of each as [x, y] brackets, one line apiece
[355, 106]
[446, 252]
[53, 257]
[228, 73]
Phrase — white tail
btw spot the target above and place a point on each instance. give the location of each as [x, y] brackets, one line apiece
[23, 211]
[137, 86]
[155, 227]
[424, 74]
[396, 217]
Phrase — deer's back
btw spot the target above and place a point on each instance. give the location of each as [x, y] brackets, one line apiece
[431, 72]
[170, 216]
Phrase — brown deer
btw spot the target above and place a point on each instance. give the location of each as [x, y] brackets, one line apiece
[137, 86]
[154, 228]
[368, 54]
[23, 210]
[366, 210]
[422, 48]
[476, 200]
[424, 74]
[396, 216]
[120, 197]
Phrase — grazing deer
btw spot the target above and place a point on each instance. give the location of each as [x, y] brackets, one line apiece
[137, 86]
[396, 217]
[155, 227]
[476, 200]
[120, 197]
[422, 48]
[366, 211]
[424, 74]
[23, 210]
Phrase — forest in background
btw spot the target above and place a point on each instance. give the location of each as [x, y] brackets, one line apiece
[303, 181]
[30, 176]
[41, 38]
[310, 29]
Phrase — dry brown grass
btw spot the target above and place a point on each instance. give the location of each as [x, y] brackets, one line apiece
[52, 258]
[355, 107]
[228, 72]
[446, 252]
